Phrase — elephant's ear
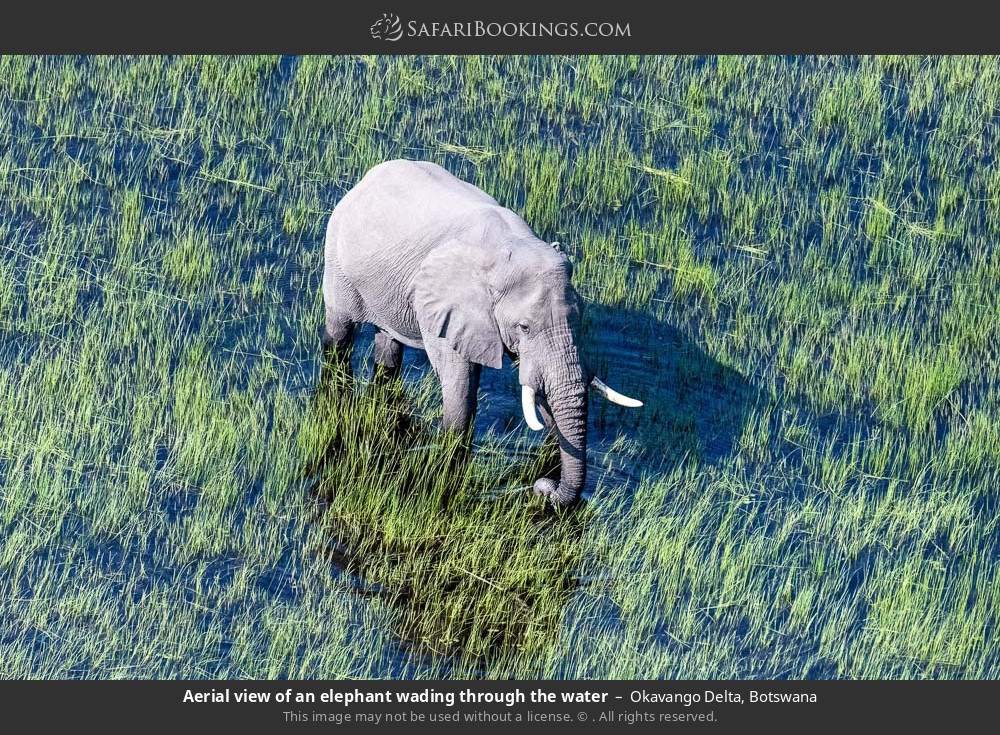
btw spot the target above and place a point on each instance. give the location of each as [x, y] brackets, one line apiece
[453, 300]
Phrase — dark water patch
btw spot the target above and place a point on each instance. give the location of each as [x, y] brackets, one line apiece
[442, 610]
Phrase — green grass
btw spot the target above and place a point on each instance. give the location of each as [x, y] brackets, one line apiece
[794, 264]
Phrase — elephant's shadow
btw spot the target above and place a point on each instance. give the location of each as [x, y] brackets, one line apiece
[694, 405]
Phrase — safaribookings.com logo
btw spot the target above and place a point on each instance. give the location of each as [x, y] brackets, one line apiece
[387, 28]
[390, 28]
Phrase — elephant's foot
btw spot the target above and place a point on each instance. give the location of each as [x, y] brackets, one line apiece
[335, 373]
[385, 374]
[557, 493]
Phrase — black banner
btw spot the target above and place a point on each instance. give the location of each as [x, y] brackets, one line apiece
[499, 706]
[512, 28]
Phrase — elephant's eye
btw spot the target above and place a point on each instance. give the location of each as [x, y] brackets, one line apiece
[523, 328]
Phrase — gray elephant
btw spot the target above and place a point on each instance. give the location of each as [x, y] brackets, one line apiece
[437, 264]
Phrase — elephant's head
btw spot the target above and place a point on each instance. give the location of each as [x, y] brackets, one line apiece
[518, 298]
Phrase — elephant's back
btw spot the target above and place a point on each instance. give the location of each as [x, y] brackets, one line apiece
[402, 204]
[398, 198]
[384, 227]
[398, 213]
[420, 182]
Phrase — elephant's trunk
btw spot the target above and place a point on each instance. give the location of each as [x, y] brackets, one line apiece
[566, 395]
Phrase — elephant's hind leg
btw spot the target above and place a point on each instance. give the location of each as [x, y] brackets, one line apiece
[388, 356]
[343, 313]
[338, 336]
[338, 344]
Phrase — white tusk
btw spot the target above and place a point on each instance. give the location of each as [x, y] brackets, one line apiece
[612, 395]
[528, 407]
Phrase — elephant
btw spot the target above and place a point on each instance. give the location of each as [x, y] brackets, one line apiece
[435, 263]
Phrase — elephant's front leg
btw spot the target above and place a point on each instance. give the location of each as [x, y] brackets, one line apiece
[459, 384]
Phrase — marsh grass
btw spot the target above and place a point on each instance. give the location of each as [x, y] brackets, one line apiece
[791, 261]
[485, 574]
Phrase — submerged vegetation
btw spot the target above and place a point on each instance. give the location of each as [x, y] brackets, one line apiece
[792, 261]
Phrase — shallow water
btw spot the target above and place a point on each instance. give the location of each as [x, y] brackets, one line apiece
[695, 405]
